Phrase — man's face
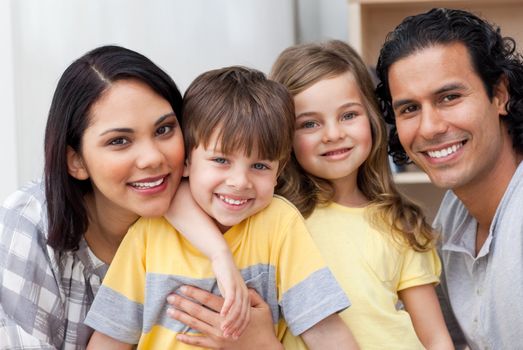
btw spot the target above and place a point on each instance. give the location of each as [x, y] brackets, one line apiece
[445, 120]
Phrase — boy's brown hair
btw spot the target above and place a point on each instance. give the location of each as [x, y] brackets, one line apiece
[249, 112]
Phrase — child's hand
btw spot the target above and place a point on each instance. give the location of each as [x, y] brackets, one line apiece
[236, 307]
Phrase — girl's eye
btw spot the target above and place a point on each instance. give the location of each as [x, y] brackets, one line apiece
[164, 129]
[348, 116]
[120, 141]
[260, 166]
[308, 125]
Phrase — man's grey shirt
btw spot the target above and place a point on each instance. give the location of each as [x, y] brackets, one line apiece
[485, 291]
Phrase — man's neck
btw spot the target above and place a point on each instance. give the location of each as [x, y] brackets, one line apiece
[482, 198]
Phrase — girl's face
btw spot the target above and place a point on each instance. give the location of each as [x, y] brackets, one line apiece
[333, 133]
[132, 152]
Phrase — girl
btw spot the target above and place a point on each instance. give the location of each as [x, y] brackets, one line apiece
[376, 242]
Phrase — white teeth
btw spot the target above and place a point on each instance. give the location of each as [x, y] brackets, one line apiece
[143, 185]
[233, 201]
[445, 151]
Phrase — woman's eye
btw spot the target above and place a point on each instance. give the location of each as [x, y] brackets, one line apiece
[120, 141]
[260, 166]
[164, 129]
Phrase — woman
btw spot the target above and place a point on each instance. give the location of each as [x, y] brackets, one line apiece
[113, 152]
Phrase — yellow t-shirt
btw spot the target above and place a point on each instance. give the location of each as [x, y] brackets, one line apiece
[272, 248]
[372, 268]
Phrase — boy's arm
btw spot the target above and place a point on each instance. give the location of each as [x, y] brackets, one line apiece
[100, 341]
[421, 302]
[195, 225]
[330, 333]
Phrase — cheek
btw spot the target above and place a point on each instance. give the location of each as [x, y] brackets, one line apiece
[406, 130]
[107, 167]
[302, 147]
[176, 153]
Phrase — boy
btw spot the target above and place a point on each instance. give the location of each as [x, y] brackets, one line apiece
[238, 128]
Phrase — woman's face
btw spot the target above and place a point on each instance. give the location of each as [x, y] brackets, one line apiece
[132, 151]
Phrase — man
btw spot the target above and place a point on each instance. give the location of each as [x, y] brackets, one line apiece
[452, 89]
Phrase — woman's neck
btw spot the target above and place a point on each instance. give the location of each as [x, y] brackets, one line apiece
[106, 230]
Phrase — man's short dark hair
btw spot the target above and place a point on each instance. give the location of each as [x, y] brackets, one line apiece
[493, 57]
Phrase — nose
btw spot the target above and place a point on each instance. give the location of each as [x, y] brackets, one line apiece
[149, 156]
[238, 178]
[332, 132]
[431, 123]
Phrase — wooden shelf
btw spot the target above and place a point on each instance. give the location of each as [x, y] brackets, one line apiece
[371, 20]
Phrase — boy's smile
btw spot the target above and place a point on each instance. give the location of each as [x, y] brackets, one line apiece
[230, 187]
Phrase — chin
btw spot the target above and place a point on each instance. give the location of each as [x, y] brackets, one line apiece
[154, 211]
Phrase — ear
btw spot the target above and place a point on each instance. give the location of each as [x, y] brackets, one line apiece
[75, 165]
[501, 95]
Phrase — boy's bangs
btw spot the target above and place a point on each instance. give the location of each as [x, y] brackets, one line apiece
[253, 135]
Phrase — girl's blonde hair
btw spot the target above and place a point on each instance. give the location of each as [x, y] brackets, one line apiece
[299, 67]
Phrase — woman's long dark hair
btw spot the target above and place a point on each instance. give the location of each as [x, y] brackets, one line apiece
[81, 85]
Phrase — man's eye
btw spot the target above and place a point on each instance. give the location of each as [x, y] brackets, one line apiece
[410, 109]
[449, 98]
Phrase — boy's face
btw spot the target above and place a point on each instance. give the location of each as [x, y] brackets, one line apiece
[446, 122]
[230, 187]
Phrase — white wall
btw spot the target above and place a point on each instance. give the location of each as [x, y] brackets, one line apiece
[41, 38]
[318, 20]
[9, 172]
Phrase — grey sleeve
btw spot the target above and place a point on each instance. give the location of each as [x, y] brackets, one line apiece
[312, 300]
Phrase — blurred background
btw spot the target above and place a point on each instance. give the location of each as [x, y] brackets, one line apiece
[40, 38]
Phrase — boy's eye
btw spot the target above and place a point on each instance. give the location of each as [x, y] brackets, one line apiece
[260, 166]
[119, 141]
[164, 129]
[220, 160]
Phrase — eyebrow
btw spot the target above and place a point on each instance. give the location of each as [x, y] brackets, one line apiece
[441, 90]
[345, 105]
[129, 130]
